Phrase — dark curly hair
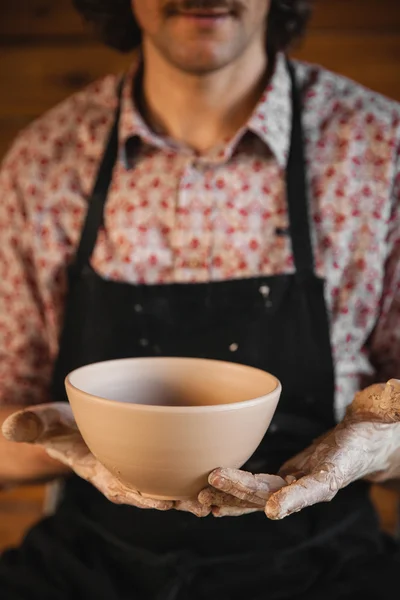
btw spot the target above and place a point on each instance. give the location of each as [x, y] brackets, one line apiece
[115, 24]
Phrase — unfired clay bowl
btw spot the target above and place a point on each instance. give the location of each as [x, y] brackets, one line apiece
[161, 425]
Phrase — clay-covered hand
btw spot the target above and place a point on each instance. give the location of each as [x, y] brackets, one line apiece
[53, 427]
[366, 444]
[233, 493]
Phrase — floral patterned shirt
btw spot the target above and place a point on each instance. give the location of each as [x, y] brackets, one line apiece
[173, 216]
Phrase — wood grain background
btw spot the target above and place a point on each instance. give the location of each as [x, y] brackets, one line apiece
[46, 53]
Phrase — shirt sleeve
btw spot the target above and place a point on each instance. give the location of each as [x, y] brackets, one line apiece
[25, 354]
[384, 344]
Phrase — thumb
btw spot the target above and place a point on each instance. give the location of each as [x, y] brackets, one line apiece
[309, 490]
[36, 424]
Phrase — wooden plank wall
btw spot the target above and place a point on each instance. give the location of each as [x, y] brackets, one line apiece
[46, 53]
[19, 510]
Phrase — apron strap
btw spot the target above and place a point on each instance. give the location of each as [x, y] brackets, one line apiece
[95, 213]
[296, 185]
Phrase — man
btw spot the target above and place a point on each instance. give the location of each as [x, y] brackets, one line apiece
[221, 185]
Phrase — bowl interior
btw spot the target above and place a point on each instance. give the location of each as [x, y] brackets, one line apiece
[180, 382]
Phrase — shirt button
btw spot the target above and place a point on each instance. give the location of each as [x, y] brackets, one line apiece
[143, 342]
[234, 347]
[138, 308]
[273, 428]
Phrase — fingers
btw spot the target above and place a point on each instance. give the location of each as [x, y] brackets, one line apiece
[389, 405]
[36, 424]
[193, 506]
[309, 490]
[72, 451]
[231, 511]
[114, 490]
[136, 499]
[217, 499]
[255, 489]
[378, 402]
[226, 505]
[121, 495]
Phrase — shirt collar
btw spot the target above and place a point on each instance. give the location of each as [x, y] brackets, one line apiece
[132, 124]
[101, 102]
[272, 119]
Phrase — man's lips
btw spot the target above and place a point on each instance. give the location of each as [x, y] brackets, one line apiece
[206, 15]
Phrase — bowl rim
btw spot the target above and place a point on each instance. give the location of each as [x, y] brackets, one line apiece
[251, 402]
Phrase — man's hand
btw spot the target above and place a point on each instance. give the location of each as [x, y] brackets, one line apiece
[366, 444]
[53, 427]
[233, 493]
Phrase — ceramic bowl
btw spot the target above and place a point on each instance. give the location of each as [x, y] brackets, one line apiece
[161, 425]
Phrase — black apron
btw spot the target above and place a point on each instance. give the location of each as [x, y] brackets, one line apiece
[92, 549]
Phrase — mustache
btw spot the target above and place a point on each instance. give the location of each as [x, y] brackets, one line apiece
[176, 6]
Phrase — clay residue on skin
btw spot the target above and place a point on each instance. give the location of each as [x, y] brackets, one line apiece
[246, 486]
[194, 507]
[379, 402]
[364, 444]
[23, 426]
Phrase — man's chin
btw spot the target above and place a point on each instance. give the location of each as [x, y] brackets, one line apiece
[200, 61]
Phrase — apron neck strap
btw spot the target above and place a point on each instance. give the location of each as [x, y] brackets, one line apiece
[296, 185]
[95, 214]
